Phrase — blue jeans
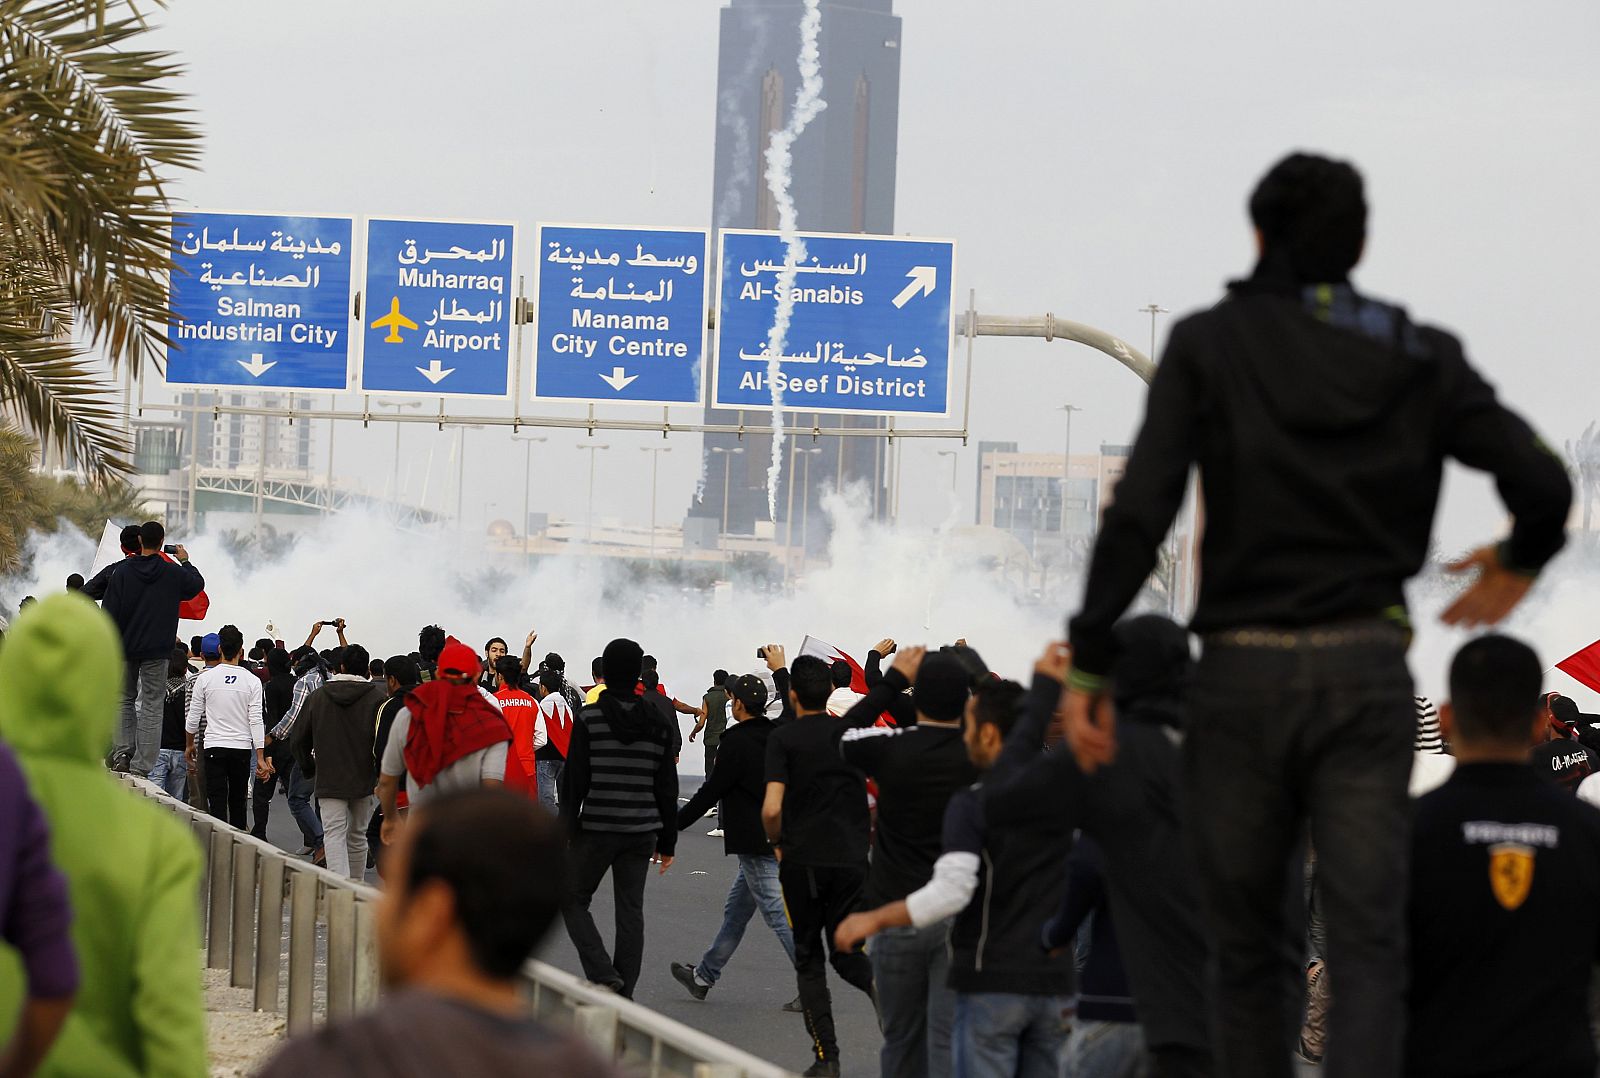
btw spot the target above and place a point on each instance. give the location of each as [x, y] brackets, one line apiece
[301, 792]
[1005, 1035]
[171, 772]
[548, 775]
[754, 885]
[910, 967]
[1104, 1050]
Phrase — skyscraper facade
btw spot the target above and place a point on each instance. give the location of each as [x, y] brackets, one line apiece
[843, 181]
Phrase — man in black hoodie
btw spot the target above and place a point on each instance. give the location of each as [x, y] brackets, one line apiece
[999, 884]
[339, 726]
[619, 800]
[1320, 420]
[1135, 809]
[142, 597]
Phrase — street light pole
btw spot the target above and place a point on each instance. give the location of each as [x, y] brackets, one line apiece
[395, 478]
[954, 456]
[527, 478]
[805, 500]
[589, 525]
[655, 461]
[1066, 474]
[727, 462]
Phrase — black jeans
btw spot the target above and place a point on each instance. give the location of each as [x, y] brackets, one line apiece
[627, 858]
[819, 897]
[261, 797]
[228, 783]
[1314, 729]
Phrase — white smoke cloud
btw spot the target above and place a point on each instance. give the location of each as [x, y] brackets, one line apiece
[808, 103]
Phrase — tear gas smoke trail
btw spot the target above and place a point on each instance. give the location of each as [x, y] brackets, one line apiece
[780, 159]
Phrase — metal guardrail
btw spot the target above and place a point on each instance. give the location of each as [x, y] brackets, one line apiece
[331, 939]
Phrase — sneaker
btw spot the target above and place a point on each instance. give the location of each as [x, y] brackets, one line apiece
[715, 832]
[684, 975]
[822, 1068]
[794, 1006]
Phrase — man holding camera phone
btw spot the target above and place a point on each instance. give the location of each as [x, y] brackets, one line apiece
[142, 597]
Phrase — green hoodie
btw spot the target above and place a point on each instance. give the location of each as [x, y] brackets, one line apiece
[132, 868]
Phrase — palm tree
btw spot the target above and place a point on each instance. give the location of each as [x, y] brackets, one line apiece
[89, 129]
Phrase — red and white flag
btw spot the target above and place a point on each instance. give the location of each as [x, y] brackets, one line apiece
[1583, 666]
[830, 654]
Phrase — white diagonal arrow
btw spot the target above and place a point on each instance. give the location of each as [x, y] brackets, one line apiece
[923, 281]
[618, 379]
[255, 366]
[436, 372]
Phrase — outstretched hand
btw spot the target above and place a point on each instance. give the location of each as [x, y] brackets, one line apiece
[1090, 727]
[1494, 594]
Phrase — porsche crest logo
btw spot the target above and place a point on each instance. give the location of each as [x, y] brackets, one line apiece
[1511, 873]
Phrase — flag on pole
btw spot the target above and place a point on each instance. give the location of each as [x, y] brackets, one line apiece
[830, 654]
[1583, 666]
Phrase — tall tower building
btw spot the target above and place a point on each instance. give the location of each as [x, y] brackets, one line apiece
[843, 181]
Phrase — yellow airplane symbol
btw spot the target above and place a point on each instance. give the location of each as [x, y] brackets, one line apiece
[394, 321]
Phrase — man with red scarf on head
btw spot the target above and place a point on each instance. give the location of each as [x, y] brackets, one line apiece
[450, 735]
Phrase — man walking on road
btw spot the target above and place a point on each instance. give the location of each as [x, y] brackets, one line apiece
[225, 713]
[332, 743]
[738, 783]
[142, 596]
[619, 800]
[815, 815]
[1320, 420]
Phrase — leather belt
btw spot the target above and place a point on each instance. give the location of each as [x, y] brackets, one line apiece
[1326, 636]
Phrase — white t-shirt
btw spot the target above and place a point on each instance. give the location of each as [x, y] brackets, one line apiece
[842, 700]
[467, 773]
[229, 699]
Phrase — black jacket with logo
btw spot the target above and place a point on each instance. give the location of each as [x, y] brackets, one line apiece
[1564, 762]
[1505, 926]
[1320, 421]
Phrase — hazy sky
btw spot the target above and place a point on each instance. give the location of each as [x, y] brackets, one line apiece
[1089, 159]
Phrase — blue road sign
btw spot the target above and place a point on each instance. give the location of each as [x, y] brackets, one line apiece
[260, 300]
[621, 315]
[438, 310]
[870, 333]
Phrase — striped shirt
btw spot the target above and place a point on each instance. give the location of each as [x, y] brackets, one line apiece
[1429, 737]
[622, 787]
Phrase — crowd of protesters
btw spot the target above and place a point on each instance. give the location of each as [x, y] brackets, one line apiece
[1130, 862]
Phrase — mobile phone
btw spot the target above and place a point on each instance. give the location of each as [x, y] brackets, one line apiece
[761, 653]
[170, 549]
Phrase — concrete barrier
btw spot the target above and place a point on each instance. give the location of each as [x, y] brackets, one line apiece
[328, 951]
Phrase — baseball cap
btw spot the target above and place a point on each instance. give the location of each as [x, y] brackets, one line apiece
[750, 691]
[211, 646]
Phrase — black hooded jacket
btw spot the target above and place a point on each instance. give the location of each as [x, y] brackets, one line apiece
[1320, 421]
[143, 596]
[1134, 808]
[620, 776]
